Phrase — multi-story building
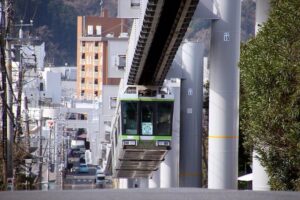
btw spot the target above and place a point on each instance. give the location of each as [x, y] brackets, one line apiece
[101, 48]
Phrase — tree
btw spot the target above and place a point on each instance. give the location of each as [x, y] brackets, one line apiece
[270, 94]
[58, 19]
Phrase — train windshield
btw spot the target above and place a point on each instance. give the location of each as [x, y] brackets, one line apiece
[164, 118]
[147, 115]
[130, 117]
[147, 118]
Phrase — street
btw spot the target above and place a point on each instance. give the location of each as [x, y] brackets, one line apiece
[150, 194]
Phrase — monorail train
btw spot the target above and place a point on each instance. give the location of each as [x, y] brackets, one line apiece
[142, 131]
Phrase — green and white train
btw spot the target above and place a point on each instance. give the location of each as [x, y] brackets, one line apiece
[141, 131]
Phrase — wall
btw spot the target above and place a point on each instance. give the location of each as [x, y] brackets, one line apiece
[115, 48]
[126, 11]
[53, 86]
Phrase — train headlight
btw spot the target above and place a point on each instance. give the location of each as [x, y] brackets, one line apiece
[164, 143]
[129, 142]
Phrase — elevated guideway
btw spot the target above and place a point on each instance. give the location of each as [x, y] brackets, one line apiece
[159, 35]
[162, 30]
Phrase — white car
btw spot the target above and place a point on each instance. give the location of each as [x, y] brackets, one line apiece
[100, 180]
[99, 170]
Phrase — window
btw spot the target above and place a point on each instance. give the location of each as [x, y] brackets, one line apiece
[83, 56]
[107, 123]
[96, 81]
[83, 44]
[121, 61]
[96, 68]
[96, 93]
[90, 30]
[82, 80]
[129, 118]
[82, 92]
[135, 4]
[98, 30]
[113, 102]
[164, 118]
[96, 56]
[147, 115]
[96, 44]
[82, 116]
[41, 86]
[83, 68]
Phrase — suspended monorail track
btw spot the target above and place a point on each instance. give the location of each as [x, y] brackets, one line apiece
[164, 26]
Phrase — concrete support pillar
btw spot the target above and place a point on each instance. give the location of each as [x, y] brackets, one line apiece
[191, 115]
[260, 177]
[123, 183]
[143, 182]
[154, 181]
[169, 169]
[262, 13]
[131, 183]
[166, 171]
[224, 96]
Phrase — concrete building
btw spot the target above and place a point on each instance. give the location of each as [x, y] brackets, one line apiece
[101, 49]
[102, 44]
[68, 80]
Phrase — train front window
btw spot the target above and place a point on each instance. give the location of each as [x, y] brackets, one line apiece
[129, 113]
[147, 118]
[164, 118]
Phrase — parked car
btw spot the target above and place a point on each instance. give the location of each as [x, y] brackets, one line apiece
[99, 170]
[83, 168]
[100, 180]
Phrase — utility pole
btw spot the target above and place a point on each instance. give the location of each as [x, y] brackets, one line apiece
[3, 92]
[19, 100]
[10, 133]
[26, 119]
[40, 149]
[21, 40]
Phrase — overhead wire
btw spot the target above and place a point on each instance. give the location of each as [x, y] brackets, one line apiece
[34, 13]
[25, 11]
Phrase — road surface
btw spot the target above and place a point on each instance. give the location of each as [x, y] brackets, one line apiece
[149, 194]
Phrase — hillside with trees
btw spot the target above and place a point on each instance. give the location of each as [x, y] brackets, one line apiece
[55, 23]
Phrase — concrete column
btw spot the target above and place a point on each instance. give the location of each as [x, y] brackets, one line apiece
[169, 169]
[191, 115]
[165, 171]
[262, 13]
[260, 176]
[224, 96]
[123, 183]
[131, 182]
[143, 182]
[154, 181]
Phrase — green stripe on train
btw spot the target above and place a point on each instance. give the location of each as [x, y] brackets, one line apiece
[130, 137]
[162, 137]
[137, 137]
[148, 99]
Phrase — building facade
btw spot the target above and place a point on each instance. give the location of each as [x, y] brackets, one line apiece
[96, 38]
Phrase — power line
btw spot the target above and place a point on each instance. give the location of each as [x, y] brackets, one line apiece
[26, 6]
